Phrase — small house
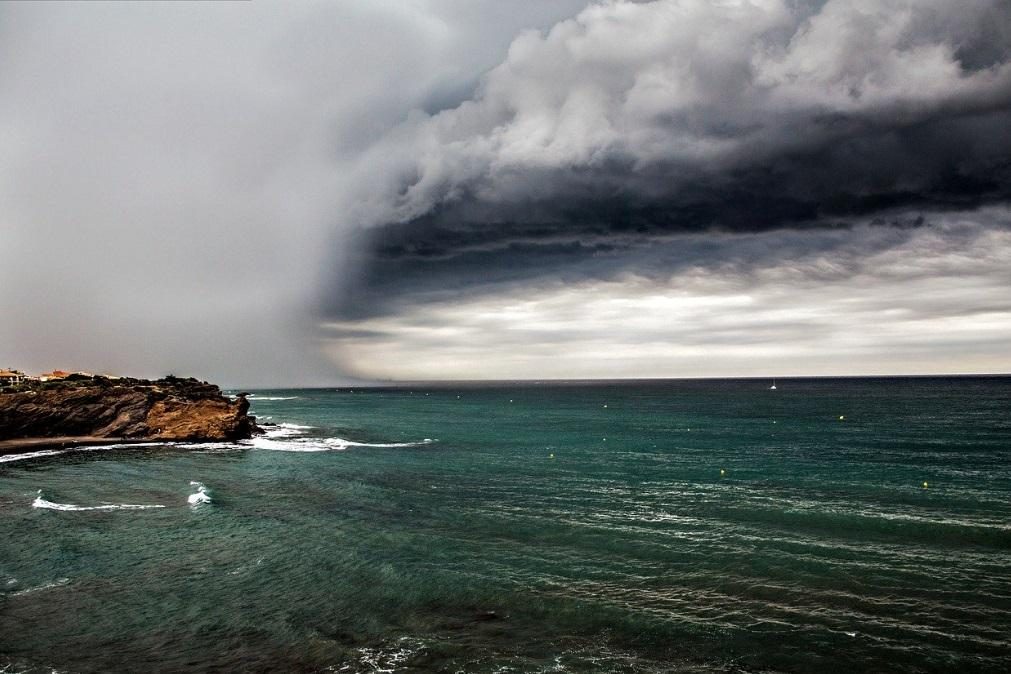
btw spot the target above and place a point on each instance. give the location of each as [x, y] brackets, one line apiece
[11, 377]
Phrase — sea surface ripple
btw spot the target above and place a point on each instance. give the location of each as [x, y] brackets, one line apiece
[832, 524]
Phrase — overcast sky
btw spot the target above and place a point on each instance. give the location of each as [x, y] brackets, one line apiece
[275, 193]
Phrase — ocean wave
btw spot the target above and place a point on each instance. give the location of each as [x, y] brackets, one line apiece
[324, 444]
[124, 445]
[390, 658]
[32, 455]
[59, 582]
[207, 447]
[286, 430]
[87, 448]
[352, 443]
[40, 502]
[200, 496]
[253, 396]
[296, 445]
[215, 447]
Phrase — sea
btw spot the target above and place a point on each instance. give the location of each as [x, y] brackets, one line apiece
[829, 525]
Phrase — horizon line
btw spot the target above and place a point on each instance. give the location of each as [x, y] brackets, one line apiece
[583, 380]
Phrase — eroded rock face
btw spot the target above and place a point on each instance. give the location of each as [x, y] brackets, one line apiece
[166, 409]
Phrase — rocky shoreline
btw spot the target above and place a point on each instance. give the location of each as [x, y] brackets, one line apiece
[98, 410]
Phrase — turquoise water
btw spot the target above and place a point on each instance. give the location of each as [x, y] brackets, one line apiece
[540, 528]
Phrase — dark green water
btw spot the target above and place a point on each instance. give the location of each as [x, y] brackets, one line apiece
[817, 549]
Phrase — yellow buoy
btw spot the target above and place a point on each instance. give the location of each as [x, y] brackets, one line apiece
[551, 456]
[925, 485]
[722, 472]
[842, 418]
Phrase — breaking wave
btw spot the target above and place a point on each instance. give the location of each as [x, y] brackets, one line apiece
[284, 438]
[325, 444]
[32, 455]
[200, 496]
[388, 658]
[87, 448]
[47, 586]
[40, 502]
[285, 430]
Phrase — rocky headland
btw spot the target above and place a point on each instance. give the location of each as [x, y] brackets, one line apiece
[84, 410]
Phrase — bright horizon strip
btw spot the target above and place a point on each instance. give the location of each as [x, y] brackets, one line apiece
[903, 311]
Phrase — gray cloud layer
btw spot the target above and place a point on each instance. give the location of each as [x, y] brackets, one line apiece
[634, 120]
[866, 300]
[682, 187]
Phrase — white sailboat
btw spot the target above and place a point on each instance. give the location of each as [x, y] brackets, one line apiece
[773, 387]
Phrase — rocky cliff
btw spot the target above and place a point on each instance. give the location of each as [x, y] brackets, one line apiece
[165, 409]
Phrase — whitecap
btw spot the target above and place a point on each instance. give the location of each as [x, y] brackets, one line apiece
[32, 455]
[59, 582]
[393, 657]
[214, 447]
[286, 430]
[342, 443]
[122, 445]
[299, 445]
[324, 444]
[206, 447]
[40, 502]
[82, 448]
[200, 496]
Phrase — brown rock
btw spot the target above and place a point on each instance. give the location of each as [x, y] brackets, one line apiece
[166, 409]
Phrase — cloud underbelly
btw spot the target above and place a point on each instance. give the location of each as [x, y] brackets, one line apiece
[641, 144]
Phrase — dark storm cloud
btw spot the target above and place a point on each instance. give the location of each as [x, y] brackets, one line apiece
[596, 142]
[862, 299]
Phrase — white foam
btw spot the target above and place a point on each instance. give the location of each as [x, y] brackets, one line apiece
[324, 444]
[32, 455]
[122, 445]
[214, 447]
[350, 443]
[40, 502]
[253, 396]
[299, 445]
[56, 583]
[201, 495]
[392, 658]
[91, 448]
[286, 430]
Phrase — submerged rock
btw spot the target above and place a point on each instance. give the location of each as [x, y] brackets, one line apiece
[164, 409]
